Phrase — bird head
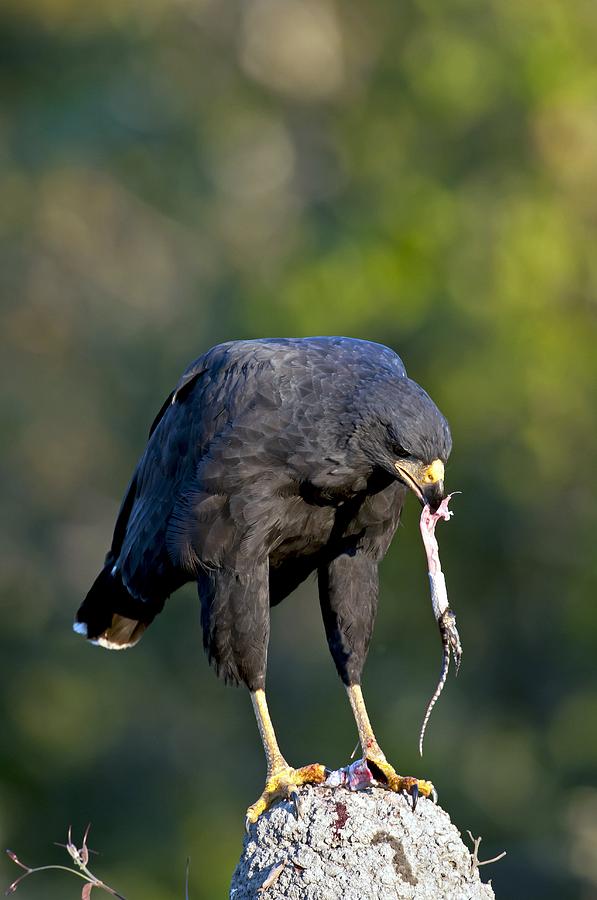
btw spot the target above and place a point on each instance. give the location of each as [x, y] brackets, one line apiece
[412, 441]
[426, 480]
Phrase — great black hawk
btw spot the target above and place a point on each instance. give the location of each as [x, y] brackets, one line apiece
[272, 460]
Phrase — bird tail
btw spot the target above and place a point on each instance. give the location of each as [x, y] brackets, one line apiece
[110, 616]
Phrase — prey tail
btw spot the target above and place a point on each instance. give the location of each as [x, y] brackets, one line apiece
[110, 616]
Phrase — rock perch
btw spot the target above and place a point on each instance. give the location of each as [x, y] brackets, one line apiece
[367, 845]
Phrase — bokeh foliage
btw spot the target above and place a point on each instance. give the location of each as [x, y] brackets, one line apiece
[180, 172]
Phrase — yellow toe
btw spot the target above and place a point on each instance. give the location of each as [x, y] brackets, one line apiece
[283, 784]
[398, 783]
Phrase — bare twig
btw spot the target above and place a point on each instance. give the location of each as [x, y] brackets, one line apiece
[80, 857]
[273, 876]
[186, 879]
[475, 861]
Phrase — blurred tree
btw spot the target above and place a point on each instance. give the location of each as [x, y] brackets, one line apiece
[424, 174]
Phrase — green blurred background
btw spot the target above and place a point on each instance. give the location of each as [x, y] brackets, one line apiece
[176, 173]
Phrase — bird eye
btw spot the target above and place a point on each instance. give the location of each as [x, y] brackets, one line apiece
[400, 452]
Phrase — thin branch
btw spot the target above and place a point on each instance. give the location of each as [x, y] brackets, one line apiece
[273, 876]
[186, 879]
[475, 861]
[79, 855]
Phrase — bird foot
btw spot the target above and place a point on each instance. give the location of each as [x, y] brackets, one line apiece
[283, 784]
[387, 775]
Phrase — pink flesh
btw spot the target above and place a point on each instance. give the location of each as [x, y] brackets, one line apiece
[427, 525]
[355, 777]
[439, 600]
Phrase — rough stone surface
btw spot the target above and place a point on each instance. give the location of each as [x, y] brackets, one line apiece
[356, 846]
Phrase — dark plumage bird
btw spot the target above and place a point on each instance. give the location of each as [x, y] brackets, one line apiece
[272, 460]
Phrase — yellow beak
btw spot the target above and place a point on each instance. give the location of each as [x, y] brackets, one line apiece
[427, 482]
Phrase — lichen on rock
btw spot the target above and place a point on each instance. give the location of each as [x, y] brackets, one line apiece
[366, 845]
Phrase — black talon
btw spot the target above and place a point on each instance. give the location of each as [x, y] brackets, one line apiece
[415, 795]
[296, 801]
[434, 796]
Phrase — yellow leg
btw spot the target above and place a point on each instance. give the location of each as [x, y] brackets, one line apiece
[282, 781]
[373, 753]
[268, 735]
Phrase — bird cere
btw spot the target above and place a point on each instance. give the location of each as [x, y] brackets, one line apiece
[270, 461]
[445, 617]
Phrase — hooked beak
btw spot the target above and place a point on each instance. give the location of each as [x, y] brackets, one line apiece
[426, 481]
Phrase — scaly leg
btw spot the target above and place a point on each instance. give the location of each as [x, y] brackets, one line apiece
[373, 753]
[282, 781]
